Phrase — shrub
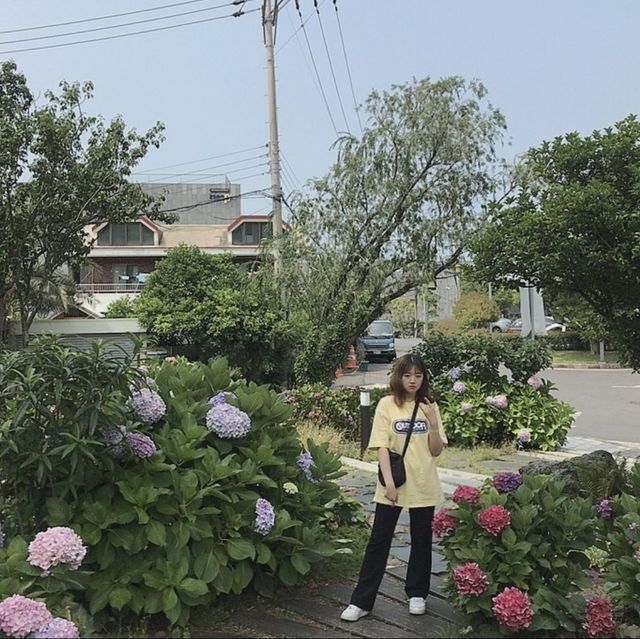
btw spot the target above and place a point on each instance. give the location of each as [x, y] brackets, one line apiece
[166, 530]
[481, 355]
[497, 416]
[620, 539]
[567, 341]
[529, 542]
[475, 310]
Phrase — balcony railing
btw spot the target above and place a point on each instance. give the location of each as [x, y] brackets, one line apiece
[115, 287]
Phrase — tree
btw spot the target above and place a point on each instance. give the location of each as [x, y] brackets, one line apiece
[475, 310]
[121, 308]
[394, 211]
[203, 305]
[60, 170]
[574, 228]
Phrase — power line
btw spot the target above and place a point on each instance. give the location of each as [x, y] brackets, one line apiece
[211, 157]
[315, 67]
[206, 168]
[112, 15]
[333, 75]
[346, 60]
[291, 171]
[237, 14]
[116, 26]
[295, 33]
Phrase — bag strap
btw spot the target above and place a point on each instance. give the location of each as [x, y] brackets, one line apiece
[413, 420]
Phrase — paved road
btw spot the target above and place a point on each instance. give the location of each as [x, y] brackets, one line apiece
[607, 400]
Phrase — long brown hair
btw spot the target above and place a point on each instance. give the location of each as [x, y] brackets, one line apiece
[402, 366]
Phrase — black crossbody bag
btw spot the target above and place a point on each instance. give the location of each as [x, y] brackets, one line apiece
[398, 471]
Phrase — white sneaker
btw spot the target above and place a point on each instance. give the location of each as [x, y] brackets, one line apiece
[417, 606]
[353, 613]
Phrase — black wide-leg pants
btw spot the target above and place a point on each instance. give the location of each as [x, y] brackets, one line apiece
[377, 552]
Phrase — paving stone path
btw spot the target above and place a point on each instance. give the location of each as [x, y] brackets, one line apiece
[314, 610]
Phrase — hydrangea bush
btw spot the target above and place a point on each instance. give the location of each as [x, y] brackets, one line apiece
[515, 550]
[193, 490]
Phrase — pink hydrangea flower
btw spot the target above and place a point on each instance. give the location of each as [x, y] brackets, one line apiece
[58, 628]
[466, 493]
[599, 621]
[444, 523]
[459, 387]
[535, 382]
[512, 609]
[524, 435]
[494, 519]
[54, 546]
[470, 580]
[466, 407]
[499, 401]
[20, 616]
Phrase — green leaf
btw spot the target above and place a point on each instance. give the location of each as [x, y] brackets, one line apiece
[240, 549]
[119, 597]
[156, 533]
[206, 566]
[193, 587]
[169, 599]
[242, 576]
[99, 599]
[300, 563]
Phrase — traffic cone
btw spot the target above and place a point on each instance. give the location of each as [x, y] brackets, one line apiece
[352, 360]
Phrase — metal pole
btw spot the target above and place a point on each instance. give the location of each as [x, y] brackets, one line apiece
[274, 149]
[365, 419]
[531, 314]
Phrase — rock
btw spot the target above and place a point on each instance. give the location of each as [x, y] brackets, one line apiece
[597, 464]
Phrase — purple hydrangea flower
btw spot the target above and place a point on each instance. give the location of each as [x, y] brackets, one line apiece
[147, 405]
[459, 387]
[265, 516]
[604, 509]
[54, 546]
[306, 463]
[454, 373]
[507, 482]
[524, 435]
[20, 616]
[114, 437]
[499, 401]
[58, 628]
[466, 407]
[228, 422]
[535, 382]
[141, 445]
[221, 398]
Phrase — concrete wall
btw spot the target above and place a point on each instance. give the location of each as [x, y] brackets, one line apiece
[208, 211]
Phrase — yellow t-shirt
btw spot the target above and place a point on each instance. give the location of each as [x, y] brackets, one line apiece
[390, 428]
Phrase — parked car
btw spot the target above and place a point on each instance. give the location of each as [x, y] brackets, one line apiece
[550, 326]
[379, 341]
[500, 326]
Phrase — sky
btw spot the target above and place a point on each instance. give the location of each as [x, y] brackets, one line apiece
[551, 67]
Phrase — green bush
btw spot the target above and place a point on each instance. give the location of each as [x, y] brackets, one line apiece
[568, 341]
[539, 548]
[480, 356]
[171, 529]
[471, 420]
[619, 538]
[475, 310]
[335, 407]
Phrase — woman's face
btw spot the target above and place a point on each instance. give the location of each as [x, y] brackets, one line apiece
[412, 380]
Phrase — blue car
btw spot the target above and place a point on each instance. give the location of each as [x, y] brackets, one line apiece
[379, 341]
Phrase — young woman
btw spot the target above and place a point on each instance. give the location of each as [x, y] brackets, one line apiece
[421, 492]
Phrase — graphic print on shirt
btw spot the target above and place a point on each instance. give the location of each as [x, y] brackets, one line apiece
[401, 426]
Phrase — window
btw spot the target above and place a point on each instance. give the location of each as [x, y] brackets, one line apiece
[131, 234]
[251, 233]
[125, 273]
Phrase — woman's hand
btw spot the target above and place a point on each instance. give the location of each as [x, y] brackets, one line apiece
[429, 410]
[391, 493]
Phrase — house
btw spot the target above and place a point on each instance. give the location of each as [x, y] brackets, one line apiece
[123, 255]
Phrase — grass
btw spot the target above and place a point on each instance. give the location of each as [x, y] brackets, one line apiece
[336, 439]
[470, 459]
[567, 358]
[343, 566]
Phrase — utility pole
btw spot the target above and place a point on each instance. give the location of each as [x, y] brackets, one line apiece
[274, 148]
